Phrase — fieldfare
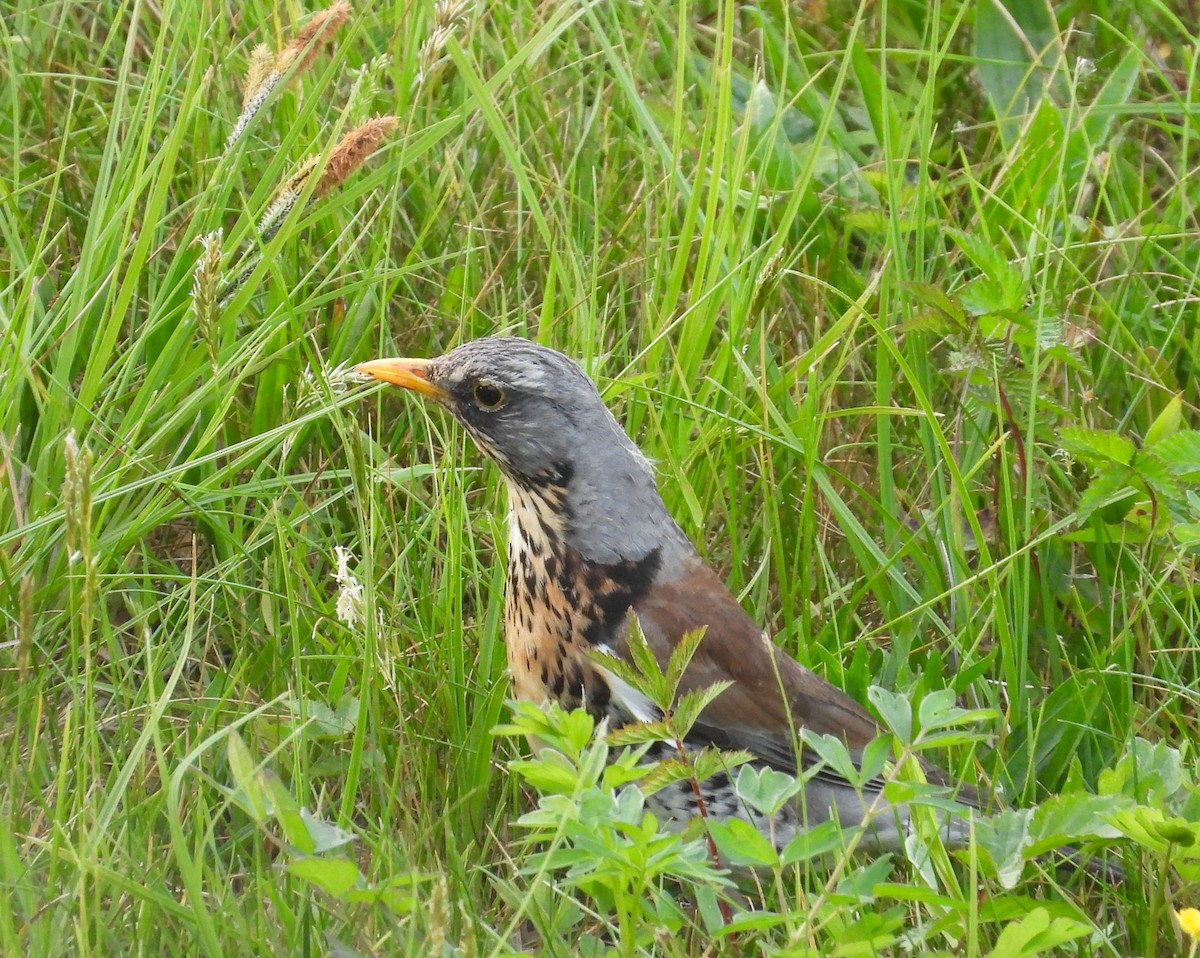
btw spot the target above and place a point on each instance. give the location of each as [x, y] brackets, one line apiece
[591, 545]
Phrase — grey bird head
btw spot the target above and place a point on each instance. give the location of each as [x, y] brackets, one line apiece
[539, 416]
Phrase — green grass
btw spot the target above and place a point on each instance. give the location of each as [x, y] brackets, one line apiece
[878, 323]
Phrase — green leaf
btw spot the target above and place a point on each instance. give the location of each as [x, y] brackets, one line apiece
[1072, 817]
[1104, 110]
[860, 884]
[778, 161]
[983, 296]
[665, 772]
[1148, 772]
[1003, 838]
[833, 752]
[1096, 447]
[1111, 485]
[547, 775]
[1154, 829]
[1181, 452]
[826, 838]
[638, 733]
[681, 656]
[1167, 422]
[250, 795]
[287, 813]
[691, 704]
[713, 761]
[765, 789]
[938, 711]
[1015, 55]
[1153, 470]
[647, 674]
[1036, 933]
[885, 120]
[875, 757]
[740, 843]
[896, 711]
[325, 836]
[334, 876]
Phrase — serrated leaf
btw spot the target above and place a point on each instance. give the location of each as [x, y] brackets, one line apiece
[1154, 471]
[692, 703]
[1108, 487]
[681, 655]
[1096, 447]
[938, 303]
[1049, 330]
[994, 265]
[647, 675]
[713, 761]
[927, 321]
[984, 296]
[1181, 452]
[638, 733]
[1073, 817]
[664, 772]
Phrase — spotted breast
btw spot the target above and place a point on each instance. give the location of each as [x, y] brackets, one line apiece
[559, 606]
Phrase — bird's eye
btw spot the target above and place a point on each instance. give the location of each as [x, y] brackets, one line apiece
[488, 396]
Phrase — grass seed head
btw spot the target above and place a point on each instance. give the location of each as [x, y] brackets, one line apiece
[309, 39]
[77, 497]
[448, 15]
[205, 282]
[353, 150]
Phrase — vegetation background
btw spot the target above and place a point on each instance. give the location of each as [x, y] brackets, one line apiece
[900, 297]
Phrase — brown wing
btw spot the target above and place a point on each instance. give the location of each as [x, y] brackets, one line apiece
[767, 683]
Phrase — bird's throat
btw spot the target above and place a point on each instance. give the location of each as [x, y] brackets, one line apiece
[559, 605]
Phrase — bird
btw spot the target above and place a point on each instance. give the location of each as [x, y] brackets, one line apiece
[593, 552]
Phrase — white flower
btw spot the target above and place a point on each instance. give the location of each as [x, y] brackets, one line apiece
[350, 603]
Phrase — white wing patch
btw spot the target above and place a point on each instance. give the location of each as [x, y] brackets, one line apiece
[625, 695]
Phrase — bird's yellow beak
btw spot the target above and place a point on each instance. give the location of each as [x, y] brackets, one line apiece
[409, 373]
